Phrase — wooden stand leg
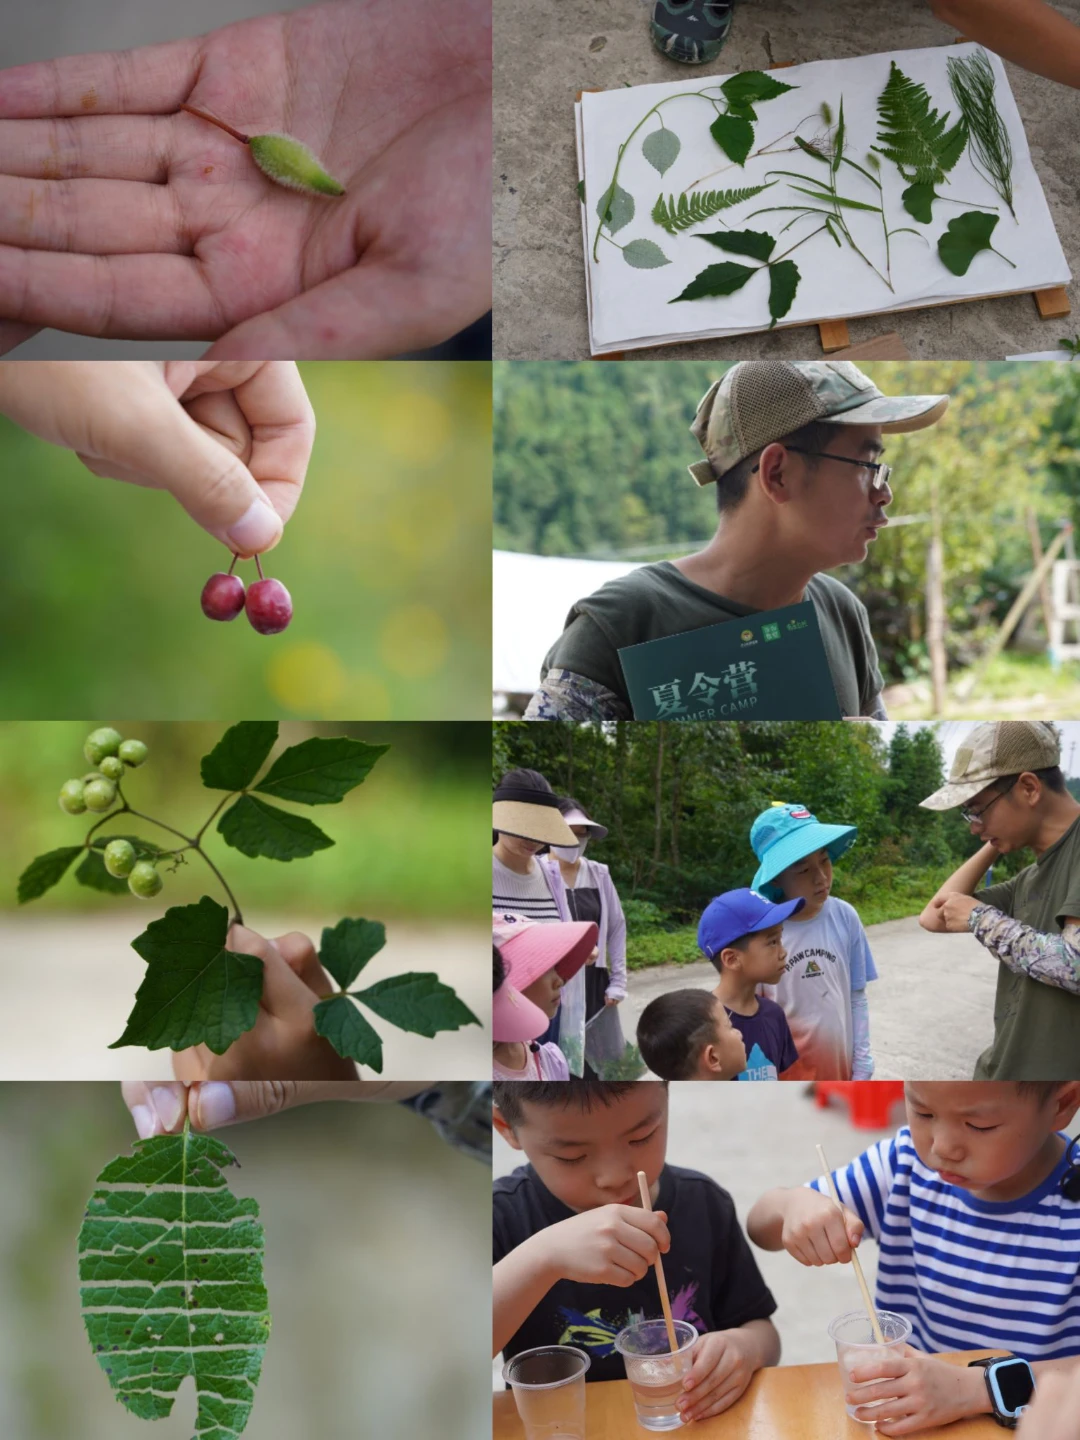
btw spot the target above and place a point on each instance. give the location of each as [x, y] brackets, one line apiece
[1053, 303]
[834, 335]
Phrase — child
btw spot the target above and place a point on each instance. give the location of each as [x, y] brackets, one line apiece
[976, 1207]
[537, 959]
[688, 1035]
[823, 987]
[569, 1226]
[740, 933]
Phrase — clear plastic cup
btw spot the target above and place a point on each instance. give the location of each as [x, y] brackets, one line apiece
[656, 1374]
[549, 1391]
[856, 1347]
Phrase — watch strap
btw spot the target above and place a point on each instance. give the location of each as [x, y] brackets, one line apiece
[1007, 1422]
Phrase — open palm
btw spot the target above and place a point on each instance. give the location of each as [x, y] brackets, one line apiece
[132, 219]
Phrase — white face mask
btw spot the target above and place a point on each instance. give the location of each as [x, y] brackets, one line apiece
[570, 853]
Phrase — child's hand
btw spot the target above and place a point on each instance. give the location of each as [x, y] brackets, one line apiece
[614, 1245]
[162, 1109]
[282, 1043]
[919, 1391]
[816, 1231]
[724, 1365]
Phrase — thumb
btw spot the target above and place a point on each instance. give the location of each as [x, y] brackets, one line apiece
[854, 1229]
[284, 992]
[213, 1103]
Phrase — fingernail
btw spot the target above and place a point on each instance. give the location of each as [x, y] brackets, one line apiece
[217, 1105]
[167, 1104]
[146, 1122]
[257, 529]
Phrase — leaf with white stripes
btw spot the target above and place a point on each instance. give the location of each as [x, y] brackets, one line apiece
[170, 1268]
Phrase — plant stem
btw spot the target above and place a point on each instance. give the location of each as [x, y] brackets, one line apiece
[200, 833]
[236, 134]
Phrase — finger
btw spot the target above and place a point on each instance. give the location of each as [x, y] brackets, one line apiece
[894, 1422]
[192, 1064]
[91, 217]
[108, 147]
[153, 80]
[299, 954]
[283, 994]
[156, 1109]
[213, 1103]
[711, 1366]
[716, 1403]
[276, 406]
[222, 419]
[888, 1368]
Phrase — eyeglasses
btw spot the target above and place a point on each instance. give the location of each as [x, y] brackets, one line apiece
[975, 817]
[879, 471]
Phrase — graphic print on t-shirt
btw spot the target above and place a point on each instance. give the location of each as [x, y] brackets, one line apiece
[596, 1335]
[758, 1066]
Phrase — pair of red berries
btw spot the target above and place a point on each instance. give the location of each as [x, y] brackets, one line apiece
[267, 602]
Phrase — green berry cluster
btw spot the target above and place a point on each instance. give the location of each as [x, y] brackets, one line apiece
[107, 749]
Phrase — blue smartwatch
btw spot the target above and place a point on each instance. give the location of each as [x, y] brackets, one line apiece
[1010, 1383]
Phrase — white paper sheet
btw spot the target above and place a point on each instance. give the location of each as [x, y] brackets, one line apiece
[630, 307]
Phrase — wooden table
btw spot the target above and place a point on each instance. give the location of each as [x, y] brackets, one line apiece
[785, 1402]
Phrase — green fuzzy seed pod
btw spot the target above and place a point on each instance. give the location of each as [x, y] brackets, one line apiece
[144, 881]
[290, 163]
[100, 743]
[119, 858]
[72, 799]
[133, 752]
[112, 767]
[99, 794]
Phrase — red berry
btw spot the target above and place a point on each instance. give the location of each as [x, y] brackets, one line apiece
[269, 606]
[223, 597]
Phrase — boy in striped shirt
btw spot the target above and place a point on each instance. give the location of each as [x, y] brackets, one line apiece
[975, 1205]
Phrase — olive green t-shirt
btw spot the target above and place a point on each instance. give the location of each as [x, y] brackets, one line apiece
[656, 601]
[1036, 1026]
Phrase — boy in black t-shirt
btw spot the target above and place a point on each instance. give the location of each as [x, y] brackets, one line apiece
[574, 1250]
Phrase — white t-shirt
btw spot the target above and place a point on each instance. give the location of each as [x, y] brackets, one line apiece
[827, 958]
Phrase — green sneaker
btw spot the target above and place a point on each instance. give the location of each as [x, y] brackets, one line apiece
[691, 31]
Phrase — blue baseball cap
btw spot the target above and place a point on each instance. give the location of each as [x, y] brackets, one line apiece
[737, 913]
[784, 834]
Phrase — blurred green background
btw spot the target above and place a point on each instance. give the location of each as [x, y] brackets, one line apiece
[387, 559]
[377, 1253]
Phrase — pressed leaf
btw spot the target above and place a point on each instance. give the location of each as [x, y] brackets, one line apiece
[171, 1282]
[581, 191]
[46, 871]
[691, 208]
[734, 135]
[838, 143]
[255, 828]
[320, 771]
[722, 279]
[918, 201]
[661, 149]
[755, 243]
[339, 1021]
[195, 992]
[915, 137]
[348, 947]
[239, 755]
[752, 85]
[419, 1003]
[833, 199]
[964, 237]
[746, 112]
[783, 282]
[644, 255]
[811, 149]
[615, 208]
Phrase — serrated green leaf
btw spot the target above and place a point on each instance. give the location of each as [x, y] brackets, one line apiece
[94, 876]
[339, 1021]
[723, 279]
[615, 208]
[348, 947]
[751, 86]
[783, 282]
[419, 1003]
[171, 1282]
[238, 756]
[964, 237]
[255, 828]
[661, 149]
[320, 771]
[644, 255]
[46, 871]
[915, 137]
[734, 135]
[755, 243]
[195, 992]
[690, 209]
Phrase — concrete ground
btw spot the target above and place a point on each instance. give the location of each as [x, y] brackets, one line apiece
[931, 1009]
[546, 51]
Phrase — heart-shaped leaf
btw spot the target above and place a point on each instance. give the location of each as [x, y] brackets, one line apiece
[734, 135]
[348, 947]
[723, 279]
[918, 201]
[195, 992]
[320, 771]
[964, 237]
[339, 1021]
[418, 1003]
[238, 756]
[661, 149]
[753, 85]
[644, 255]
[46, 871]
[755, 243]
[615, 208]
[783, 282]
[255, 828]
[171, 1282]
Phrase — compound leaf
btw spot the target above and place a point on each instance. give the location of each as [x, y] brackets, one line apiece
[755, 243]
[46, 871]
[615, 208]
[723, 279]
[661, 149]
[783, 282]
[195, 992]
[964, 237]
[734, 135]
[320, 771]
[238, 756]
[690, 209]
[255, 828]
[644, 255]
[420, 1003]
[752, 85]
[339, 1021]
[171, 1282]
[348, 947]
[916, 138]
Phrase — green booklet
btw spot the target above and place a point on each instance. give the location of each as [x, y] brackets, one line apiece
[767, 666]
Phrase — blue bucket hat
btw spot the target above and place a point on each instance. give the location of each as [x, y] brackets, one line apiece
[784, 834]
[737, 913]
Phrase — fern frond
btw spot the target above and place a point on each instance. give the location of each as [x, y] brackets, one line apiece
[915, 137]
[675, 215]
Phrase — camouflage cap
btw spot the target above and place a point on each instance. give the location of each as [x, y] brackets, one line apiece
[994, 749]
[757, 401]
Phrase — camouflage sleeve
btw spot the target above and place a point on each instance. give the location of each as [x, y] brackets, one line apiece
[566, 696]
[1050, 959]
[460, 1110]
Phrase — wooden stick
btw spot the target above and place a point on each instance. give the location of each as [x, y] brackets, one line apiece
[855, 1264]
[646, 1204]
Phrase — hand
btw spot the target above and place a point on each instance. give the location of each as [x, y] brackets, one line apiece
[282, 1041]
[162, 1109]
[614, 1245]
[610, 999]
[136, 220]
[594, 956]
[918, 1390]
[1054, 1414]
[954, 911]
[817, 1231]
[229, 440]
[724, 1365]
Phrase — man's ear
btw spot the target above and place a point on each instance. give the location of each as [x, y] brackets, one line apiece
[503, 1128]
[774, 473]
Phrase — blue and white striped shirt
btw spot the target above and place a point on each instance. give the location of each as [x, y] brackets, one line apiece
[968, 1274]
